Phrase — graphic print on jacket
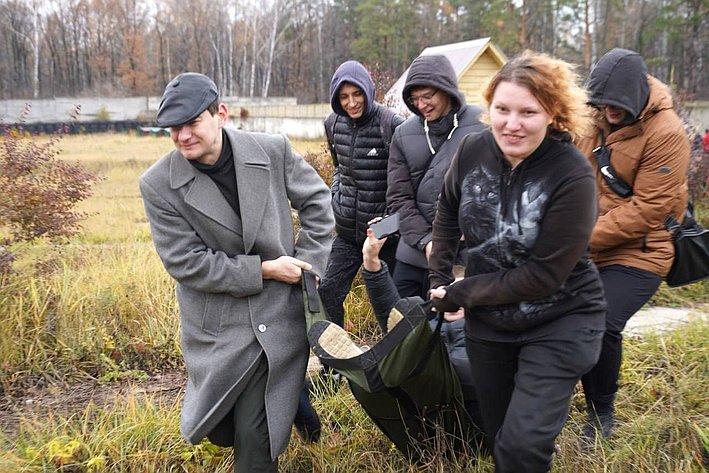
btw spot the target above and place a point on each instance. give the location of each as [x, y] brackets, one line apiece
[511, 227]
[501, 212]
[503, 225]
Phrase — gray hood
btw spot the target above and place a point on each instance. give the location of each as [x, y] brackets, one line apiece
[354, 73]
[433, 71]
[620, 79]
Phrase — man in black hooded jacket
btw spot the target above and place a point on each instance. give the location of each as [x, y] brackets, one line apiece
[358, 134]
[421, 152]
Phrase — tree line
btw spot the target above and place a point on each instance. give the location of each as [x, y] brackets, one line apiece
[260, 48]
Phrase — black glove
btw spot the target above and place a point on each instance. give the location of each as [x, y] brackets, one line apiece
[445, 305]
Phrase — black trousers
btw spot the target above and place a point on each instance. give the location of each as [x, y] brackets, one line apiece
[411, 280]
[627, 290]
[342, 266]
[524, 388]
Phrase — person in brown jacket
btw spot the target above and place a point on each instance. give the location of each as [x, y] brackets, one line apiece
[640, 155]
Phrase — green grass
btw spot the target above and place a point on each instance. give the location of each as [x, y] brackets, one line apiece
[692, 295]
[101, 310]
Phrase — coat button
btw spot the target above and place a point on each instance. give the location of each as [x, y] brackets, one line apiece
[261, 328]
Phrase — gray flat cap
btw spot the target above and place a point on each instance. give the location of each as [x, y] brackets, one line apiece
[185, 98]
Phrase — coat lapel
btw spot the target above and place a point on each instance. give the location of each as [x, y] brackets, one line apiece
[203, 194]
[253, 176]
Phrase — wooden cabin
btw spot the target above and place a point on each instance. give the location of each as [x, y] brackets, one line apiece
[475, 62]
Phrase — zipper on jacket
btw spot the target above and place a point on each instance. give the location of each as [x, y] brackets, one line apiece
[506, 175]
[510, 175]
[353, 150]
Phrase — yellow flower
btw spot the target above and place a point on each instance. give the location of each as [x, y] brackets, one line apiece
[96, 464]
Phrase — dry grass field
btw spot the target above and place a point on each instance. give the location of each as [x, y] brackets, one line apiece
[91, 375]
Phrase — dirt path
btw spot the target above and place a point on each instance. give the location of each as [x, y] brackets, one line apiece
[69, 398]
[661, 319]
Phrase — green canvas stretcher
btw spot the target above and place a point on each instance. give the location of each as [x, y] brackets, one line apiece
[405, 383]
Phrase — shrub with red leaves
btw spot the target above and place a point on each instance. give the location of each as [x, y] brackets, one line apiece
[39, 191]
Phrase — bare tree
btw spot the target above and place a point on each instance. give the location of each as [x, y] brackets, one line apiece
[291, 47]
[22, 27]
[587, 40]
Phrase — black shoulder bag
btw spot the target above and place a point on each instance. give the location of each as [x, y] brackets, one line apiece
[691, 241]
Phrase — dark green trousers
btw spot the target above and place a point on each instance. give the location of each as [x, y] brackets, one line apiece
[247, 419]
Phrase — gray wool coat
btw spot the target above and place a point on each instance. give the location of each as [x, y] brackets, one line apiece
[230, 315]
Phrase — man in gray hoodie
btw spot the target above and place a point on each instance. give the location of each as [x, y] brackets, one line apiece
[421, 152]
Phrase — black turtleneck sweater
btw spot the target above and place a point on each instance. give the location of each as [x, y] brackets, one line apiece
[223, 174]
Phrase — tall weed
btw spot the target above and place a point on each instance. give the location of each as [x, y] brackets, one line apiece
[663, 417]
[107, 308]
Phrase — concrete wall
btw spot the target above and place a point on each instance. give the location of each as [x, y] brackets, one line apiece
[60, 109]
[296, 121]
[301, 128]
[271, 115]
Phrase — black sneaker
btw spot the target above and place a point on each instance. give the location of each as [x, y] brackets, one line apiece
[602, 425]
[306, 422]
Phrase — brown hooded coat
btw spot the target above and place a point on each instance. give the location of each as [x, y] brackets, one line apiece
[652, 156]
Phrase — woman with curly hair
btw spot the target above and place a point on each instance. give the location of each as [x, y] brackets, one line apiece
[524, 198]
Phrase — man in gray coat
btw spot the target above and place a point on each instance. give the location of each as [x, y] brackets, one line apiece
[219, 207]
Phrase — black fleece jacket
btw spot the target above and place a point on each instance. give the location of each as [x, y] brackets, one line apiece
[526, 230]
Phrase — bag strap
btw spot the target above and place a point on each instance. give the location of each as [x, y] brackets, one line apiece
[671, 224]
[385, 125]
[311, 291]
[603, 161]
[688, 222]
[330, 122]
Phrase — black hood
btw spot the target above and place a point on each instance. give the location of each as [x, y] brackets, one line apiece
[619, 79]
[433, 71]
